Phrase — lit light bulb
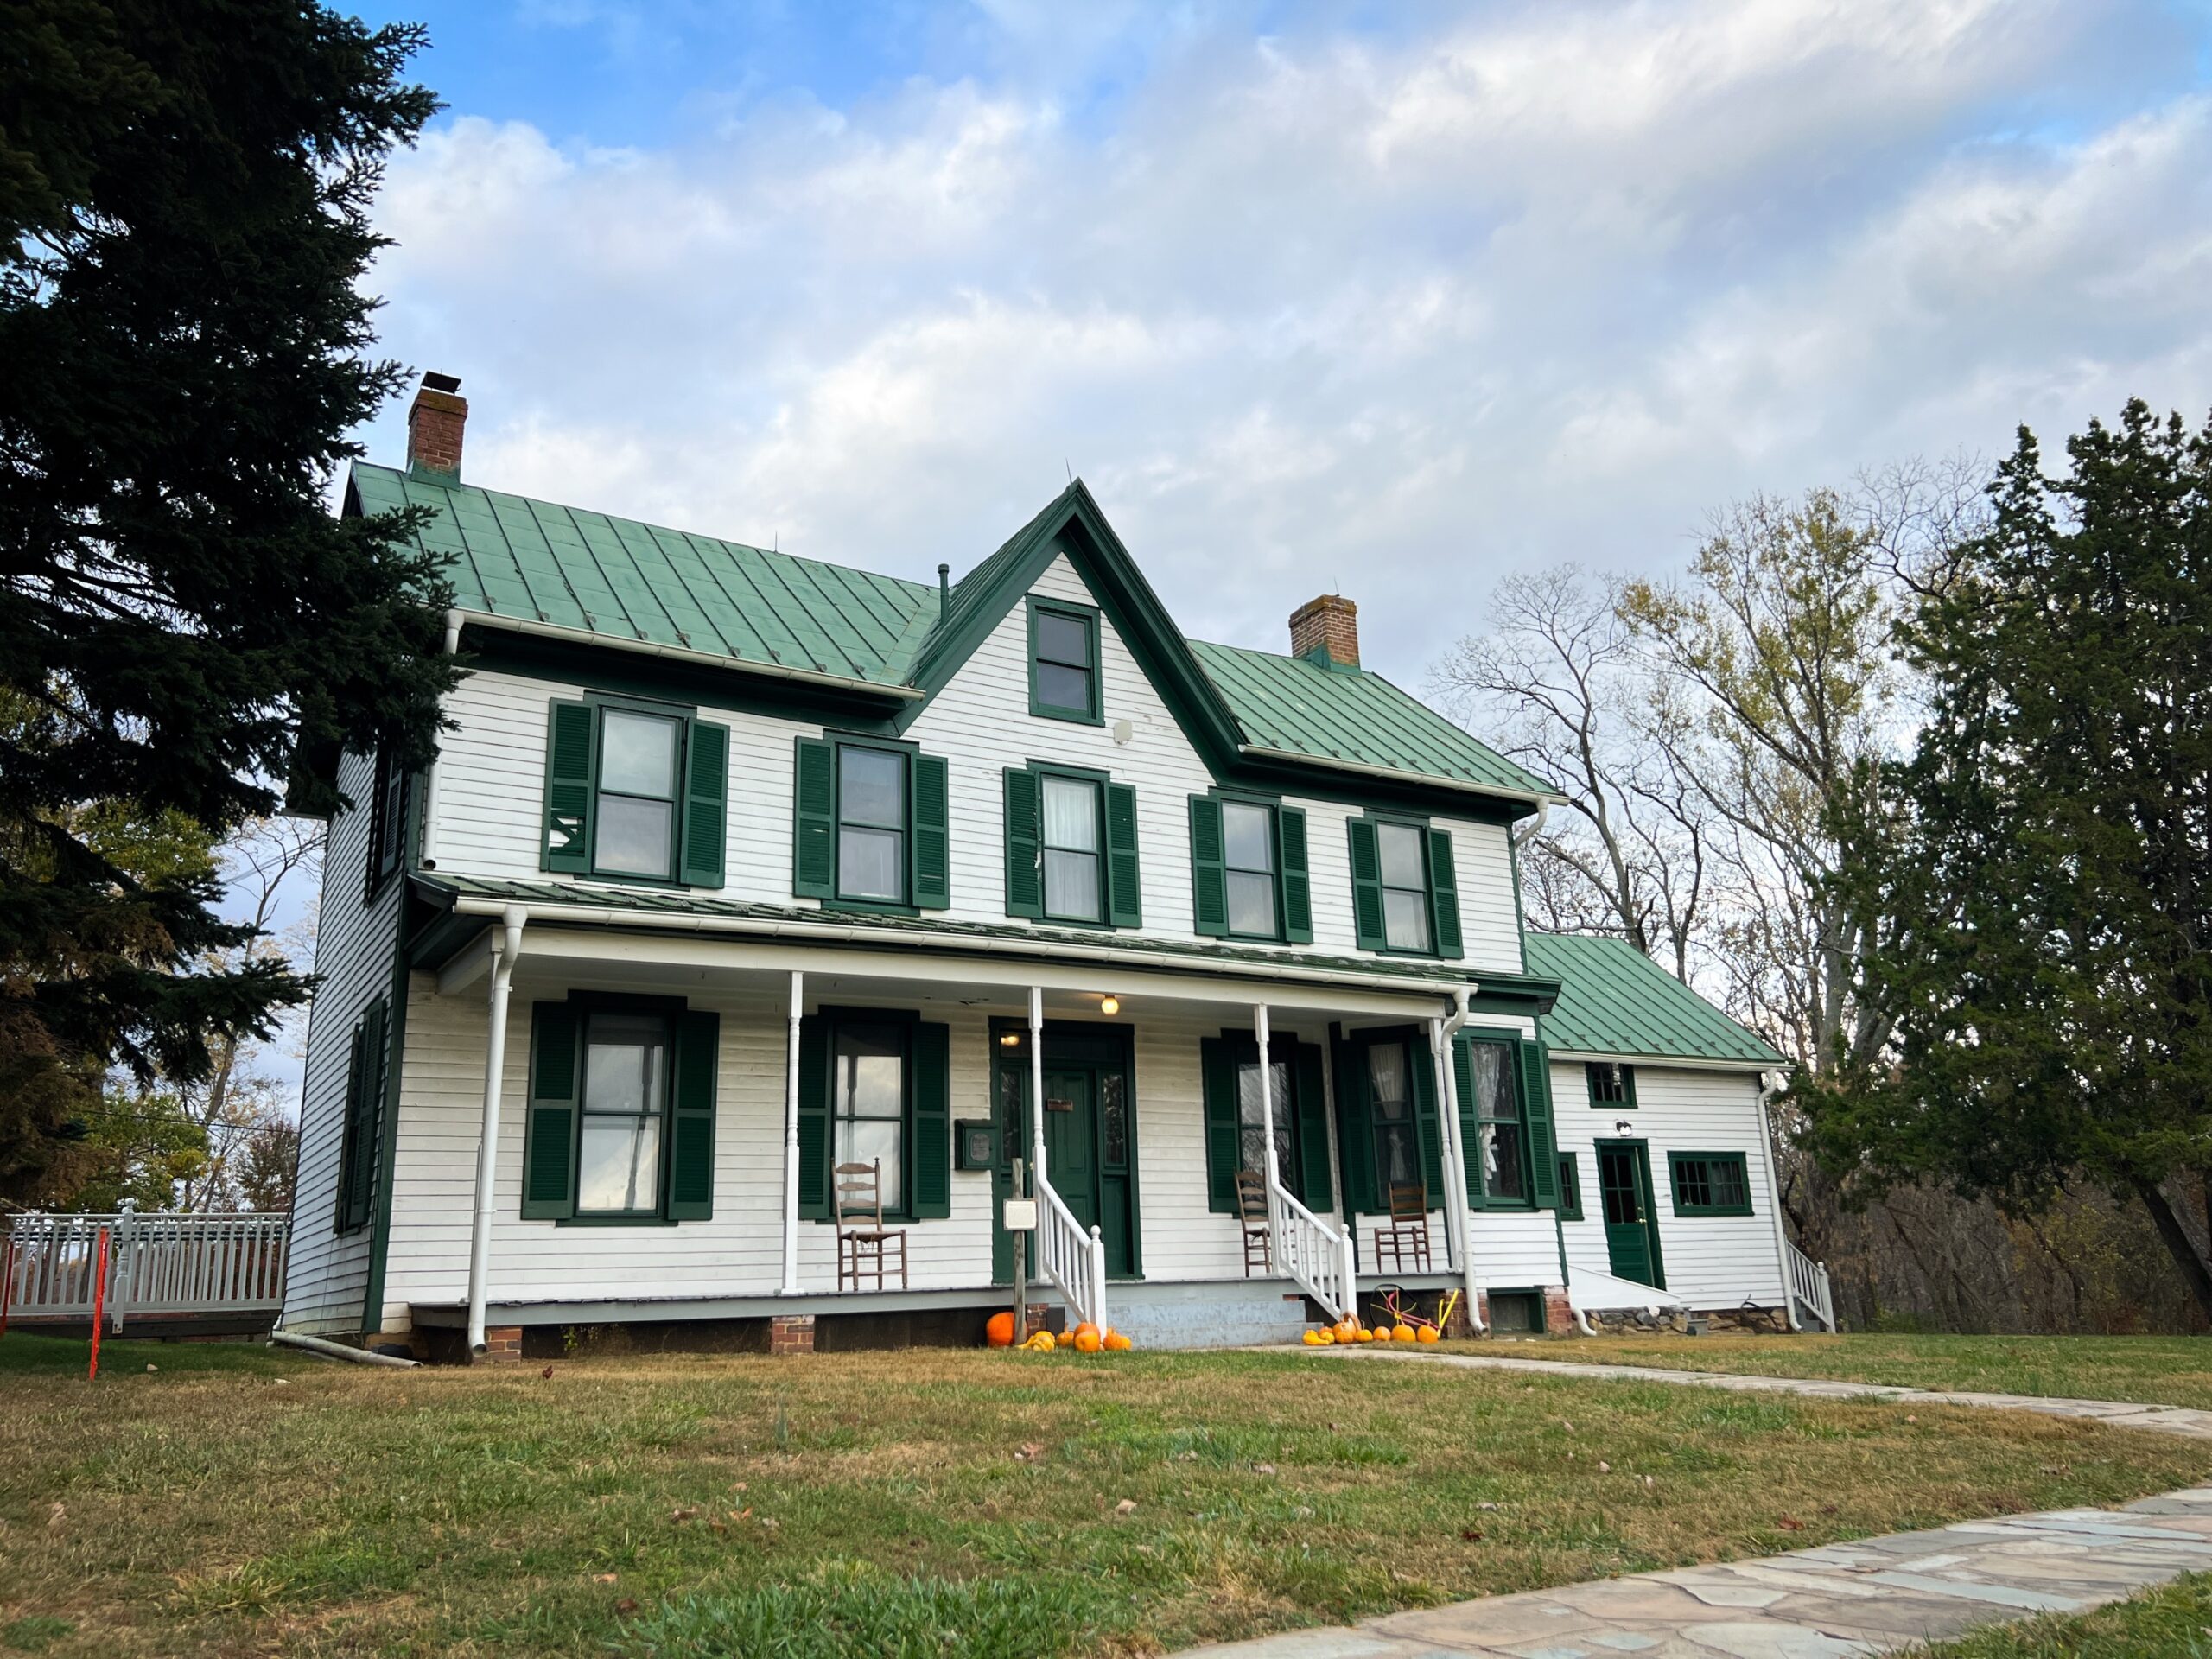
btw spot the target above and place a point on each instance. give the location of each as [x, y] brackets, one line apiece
[1109, 1005]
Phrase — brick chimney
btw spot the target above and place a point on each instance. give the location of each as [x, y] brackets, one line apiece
[1327, 630]
[434, 425]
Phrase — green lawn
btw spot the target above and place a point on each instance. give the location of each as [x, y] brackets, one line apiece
[2155, 1371]
[2175, 1623]
[966, 1503]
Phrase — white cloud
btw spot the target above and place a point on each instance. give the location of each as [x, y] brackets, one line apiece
[1397, 314]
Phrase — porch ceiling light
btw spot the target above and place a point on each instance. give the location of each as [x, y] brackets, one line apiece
[1009, 1039]
[1109, 1005]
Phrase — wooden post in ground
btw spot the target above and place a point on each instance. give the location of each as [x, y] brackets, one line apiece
[100, 1304]
[1020, 1271]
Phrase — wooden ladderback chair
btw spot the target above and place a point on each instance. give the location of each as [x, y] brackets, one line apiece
[865, 1246]
[1404, 1243]
[1252, 1217]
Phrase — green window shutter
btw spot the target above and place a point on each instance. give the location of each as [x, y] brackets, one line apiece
[691, 1129]
[932, 1122]
[1355, 1132]
[1444, 895]
[1536, 1112]
[376, 1059]
[570, 734]
[1209, 878]
[1124, 891]
[814, 1118]
[1025, 880]
[1463, 1081]
[706, 803]
[1312, 1130]
[930, 843]
[1366, 884]
[1428, 1121]
[1297, 885]
[349, 1135]
[1217, 1076]
[549, 1159]
[814, 820]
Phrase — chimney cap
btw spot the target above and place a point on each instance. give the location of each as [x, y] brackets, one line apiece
[433, 381]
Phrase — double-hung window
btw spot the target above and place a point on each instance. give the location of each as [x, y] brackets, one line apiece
[1251, 1119]
[1404, 888]
[870, 825]
[1249, 878]
[1570, 1187]
[1710, 1184]
[1071, 846]
[1064, 662]
[1611, 1083]
[876, 1089]
[1499, 1156]
[620, 1125]
[867, 1104]
[635, 791]
[625, 1114]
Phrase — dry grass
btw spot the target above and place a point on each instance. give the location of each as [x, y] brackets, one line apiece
[925, 1503]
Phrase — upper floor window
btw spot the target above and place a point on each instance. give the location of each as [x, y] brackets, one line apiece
[1064, 661]
[1071, 847]
[1404, 888]
[1611, 1083]
[387, 823]
[871, 824]
[635, 791]
[1249, 876]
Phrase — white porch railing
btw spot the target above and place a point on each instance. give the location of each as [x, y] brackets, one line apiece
[1314, 1252]
[1073, 1260]
[157, 1264]
[1809, 1285]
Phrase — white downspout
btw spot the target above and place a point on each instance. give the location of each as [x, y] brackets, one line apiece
[1767, 1092]
[1447, 1031]
[506, 946]
[790, 1286]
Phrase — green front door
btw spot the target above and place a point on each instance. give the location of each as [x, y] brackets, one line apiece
[1089, 1135]
[1631, 1221]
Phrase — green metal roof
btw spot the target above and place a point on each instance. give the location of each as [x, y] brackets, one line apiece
[511, 555]
[1335, 714]
[1615, 999]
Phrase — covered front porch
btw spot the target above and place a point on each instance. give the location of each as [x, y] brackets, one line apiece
[1128, 1092]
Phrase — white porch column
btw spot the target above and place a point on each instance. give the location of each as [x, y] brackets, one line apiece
[1037, 1083]
[507, 945]
[1267, 1097]
[789, 1286]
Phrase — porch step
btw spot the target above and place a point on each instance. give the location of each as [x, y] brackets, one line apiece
[1234, 1315]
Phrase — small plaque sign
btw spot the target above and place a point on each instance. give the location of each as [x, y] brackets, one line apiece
[1052, 1105]
[1022, 1215]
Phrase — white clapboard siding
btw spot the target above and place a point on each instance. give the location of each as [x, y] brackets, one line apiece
[740, 1251]
[1710, 1262]
[327, 1274]
[491, 777]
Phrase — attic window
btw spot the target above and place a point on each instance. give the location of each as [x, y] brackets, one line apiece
[1064, 661]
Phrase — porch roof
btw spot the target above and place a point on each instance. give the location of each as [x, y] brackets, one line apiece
[643, 907]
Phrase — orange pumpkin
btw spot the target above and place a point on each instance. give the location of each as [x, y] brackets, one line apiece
[1365, 1335]
[1345, 1331]
[1087, 1340]
[1427, 1333]
[1085, 1327]
[1000, 1332]
[1116, 1342]
[1401, 1333]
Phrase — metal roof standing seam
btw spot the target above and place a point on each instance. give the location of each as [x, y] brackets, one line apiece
[1614, 999]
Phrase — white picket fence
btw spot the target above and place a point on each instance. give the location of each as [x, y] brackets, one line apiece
[173, 1266]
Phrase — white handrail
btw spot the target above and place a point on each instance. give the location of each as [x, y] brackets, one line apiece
[1314, 1252]
[1809, 1283]
[1073, 1260]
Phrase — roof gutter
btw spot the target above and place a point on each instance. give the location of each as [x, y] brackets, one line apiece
[833, 933]
[1400, 774]
[458, 616]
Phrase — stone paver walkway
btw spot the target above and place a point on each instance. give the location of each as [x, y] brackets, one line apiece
[2164, 1420]
[1874, 1596]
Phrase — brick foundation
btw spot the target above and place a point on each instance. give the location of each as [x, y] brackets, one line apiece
[502, 1346]
[792, 1334]
[1559, 1313]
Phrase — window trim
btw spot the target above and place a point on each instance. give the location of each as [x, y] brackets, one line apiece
[681, 717]
[1510, 1043]
[1098, 781]
[905, 905]
[1743, 1163]
[1421, 827]
[1087, 615]
[835, 1018]
[1626, 1102]
[1570, 1185]
[1272, 806]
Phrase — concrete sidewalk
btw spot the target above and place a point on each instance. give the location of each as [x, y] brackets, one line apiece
[1874, 1596]
[2164, 1420]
